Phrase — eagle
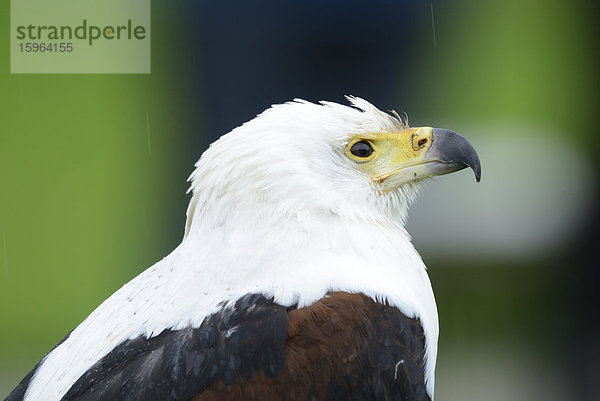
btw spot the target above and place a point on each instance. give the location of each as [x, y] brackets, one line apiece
[295, 279]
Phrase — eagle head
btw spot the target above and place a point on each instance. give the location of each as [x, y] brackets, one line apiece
[354, 161]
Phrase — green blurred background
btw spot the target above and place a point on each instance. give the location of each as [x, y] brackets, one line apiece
[93, 168]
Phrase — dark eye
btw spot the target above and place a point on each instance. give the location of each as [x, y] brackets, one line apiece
[361, 149]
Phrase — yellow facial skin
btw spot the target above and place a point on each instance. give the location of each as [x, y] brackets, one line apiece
[397, 158]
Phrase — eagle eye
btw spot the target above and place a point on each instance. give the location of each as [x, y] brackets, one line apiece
[361, 149]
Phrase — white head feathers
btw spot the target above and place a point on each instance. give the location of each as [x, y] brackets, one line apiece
[290, 158]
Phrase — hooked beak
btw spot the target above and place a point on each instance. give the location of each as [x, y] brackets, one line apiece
[450, 152]
[418, 154]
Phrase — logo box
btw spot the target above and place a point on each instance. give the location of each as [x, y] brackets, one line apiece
[85, 37]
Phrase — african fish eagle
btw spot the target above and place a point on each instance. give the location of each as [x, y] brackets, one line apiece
[295, 279]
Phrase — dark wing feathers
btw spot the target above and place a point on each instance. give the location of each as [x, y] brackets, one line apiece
[342, 347]
[178, 364]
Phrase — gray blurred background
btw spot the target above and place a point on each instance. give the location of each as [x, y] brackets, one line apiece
[93, 168]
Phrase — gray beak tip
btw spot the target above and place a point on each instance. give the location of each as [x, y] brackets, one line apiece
[477, 170]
